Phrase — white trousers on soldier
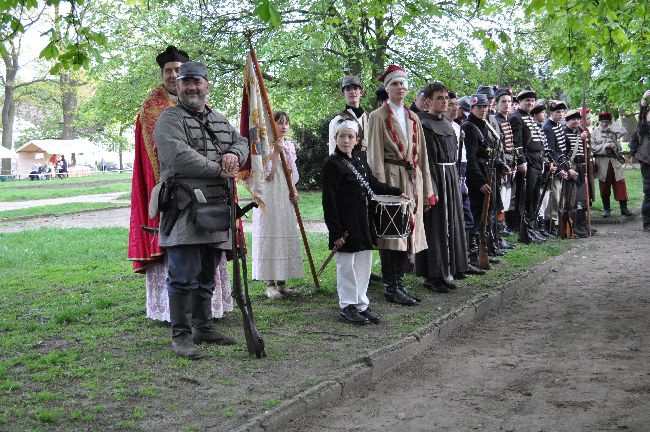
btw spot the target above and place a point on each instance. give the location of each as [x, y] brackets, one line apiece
[544, 206]
[352, 277]
[506, 196]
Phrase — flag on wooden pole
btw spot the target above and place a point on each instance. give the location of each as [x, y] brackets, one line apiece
[255, 124]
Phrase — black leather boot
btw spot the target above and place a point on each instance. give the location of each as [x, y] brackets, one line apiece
[541, 226]
[472, 249]
[180, 317]
[401, 286]
[580, 224]
[389, 275]
[624, 210]
[203, 325]
[607, 209]
[475, 270]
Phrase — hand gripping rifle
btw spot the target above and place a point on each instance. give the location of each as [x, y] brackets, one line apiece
[483, 257]
[254, 341]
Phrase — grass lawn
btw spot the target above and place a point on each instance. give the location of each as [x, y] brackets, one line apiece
[77, 353]
[21, 190]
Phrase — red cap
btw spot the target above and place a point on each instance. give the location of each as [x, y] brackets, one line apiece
[389, 69]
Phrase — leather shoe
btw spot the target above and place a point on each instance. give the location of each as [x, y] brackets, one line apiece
[372, 317]
[451, 286]
[625, 212]
[399, 297]
[460, 275]
[351, 315]
[211, 336]
[607, 213]
[493, 260]
[498, 252]
[472, 269]
[504, 244]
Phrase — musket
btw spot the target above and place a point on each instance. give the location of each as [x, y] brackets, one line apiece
[329, 257]
[254, 341]
[283, 159]
[483, 257]
[585, 150]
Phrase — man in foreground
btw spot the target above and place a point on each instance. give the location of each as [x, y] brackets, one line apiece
[199, 150]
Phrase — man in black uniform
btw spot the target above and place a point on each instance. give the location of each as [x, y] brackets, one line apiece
[480, 141]
[576, 156]
[557, 146]
[527, 136]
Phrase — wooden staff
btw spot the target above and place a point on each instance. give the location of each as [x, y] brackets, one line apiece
[329, 257]
[285, 166]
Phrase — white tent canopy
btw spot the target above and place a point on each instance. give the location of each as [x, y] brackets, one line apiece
[40, 151]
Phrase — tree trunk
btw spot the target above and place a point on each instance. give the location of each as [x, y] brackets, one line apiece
[10, 58]
[69, 106]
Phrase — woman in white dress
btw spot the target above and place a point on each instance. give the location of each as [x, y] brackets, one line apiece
[276, 246]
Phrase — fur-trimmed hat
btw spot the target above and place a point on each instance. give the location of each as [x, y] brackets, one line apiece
[479, 99]
[572, 114]
[350, 80]
[604, 115]
[557, 105]
[540, 105]
[392, 72]
[526, 93]
[486, 90]
[504, 91]
[171, 54]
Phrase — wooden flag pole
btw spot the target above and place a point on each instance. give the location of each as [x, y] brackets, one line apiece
[285, 166]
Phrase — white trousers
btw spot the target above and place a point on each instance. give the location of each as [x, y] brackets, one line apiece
[506, 196]
[352, 277]
[544, 206]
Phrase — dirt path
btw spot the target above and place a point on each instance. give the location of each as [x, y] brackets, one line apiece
[95, 198]
[571, 354]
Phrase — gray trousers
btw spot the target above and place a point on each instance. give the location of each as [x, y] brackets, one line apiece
[191, 270]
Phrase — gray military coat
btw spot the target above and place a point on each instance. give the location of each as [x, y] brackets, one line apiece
[185, 150]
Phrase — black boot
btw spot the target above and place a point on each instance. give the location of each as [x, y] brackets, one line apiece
[180, 316]
[472, 249]
[203, 324]
[389, 277]
[475, 270]
[580, 224]
[503, 229]
[372, 317]
[624, 210]
[401, 286]
[435, 285]
[541, 226]
[607, 209]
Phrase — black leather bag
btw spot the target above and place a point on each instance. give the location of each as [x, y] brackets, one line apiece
[212, 217]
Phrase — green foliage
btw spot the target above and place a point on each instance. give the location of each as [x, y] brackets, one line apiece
[311, 153]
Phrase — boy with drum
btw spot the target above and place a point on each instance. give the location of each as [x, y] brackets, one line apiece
[348, 187]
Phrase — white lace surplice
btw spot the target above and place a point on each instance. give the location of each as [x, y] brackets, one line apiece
[158, 301]
[276, 247]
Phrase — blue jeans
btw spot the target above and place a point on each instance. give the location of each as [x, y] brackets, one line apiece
[191, 270]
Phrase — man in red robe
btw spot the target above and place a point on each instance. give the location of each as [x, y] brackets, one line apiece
[143, 245]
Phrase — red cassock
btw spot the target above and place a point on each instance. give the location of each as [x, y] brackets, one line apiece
[143, 246]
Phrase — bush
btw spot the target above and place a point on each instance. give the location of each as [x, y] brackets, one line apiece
[311, 152]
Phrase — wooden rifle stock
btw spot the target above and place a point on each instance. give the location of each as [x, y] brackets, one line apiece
[254, 341]
[483, 257]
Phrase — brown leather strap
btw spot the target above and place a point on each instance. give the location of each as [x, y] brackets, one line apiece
[401, 163]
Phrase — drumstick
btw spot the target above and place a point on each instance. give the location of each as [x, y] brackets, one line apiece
[329, 257]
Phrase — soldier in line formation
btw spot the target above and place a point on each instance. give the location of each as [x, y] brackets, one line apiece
[492, 151]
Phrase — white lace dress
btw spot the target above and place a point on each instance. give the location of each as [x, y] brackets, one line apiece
[276, 250]
[158, 301]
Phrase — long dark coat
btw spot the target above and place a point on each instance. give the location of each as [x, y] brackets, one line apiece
[345, 201]
[444, 222]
